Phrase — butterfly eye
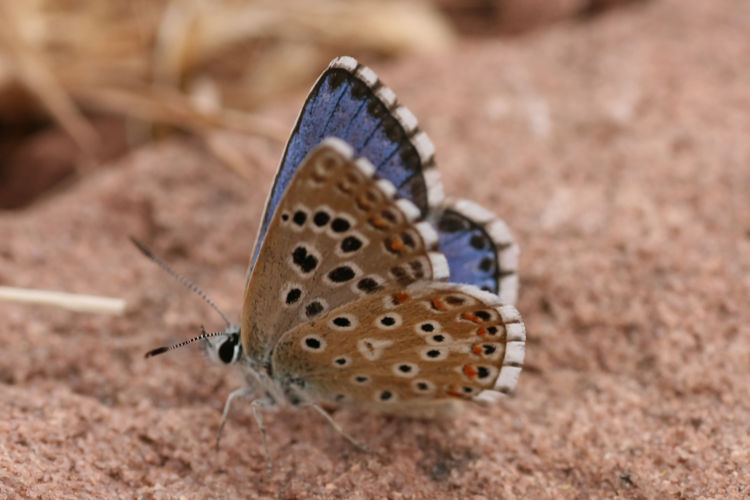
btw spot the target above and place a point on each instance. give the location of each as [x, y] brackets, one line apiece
[229, 350]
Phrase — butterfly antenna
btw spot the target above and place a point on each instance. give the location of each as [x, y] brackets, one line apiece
[161, 350]
[185, 282]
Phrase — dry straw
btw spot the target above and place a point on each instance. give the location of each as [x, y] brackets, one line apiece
[197, 66]
[70, 301]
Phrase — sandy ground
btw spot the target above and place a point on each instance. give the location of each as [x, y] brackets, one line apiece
[616, 149]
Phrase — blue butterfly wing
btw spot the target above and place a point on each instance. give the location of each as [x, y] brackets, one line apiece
[479, 248]
[349, 102]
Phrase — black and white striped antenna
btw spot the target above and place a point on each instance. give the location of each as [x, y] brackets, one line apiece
[189, 285]
[204, 335]
[182, 279]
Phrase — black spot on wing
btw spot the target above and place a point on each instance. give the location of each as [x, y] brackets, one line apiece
[304, 260]
[341, 274]
[351, 244]
[368, 285]
[293, 296]
[313, 309]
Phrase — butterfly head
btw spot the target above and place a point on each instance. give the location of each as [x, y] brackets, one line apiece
[225, 348]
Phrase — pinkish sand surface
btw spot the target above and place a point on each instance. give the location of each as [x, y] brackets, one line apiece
[616, 149]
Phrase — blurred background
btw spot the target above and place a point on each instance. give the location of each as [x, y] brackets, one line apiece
[83, 82]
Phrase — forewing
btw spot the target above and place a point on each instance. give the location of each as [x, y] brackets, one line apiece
[339, 233]
[349, 102]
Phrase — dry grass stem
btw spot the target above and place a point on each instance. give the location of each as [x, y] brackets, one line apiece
[70, 301]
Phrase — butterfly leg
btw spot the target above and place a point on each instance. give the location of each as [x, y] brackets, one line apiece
[341, 431]
[256, 405]
[237, 393]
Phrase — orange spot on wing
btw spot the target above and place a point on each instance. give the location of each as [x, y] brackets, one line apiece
[482, 332]
[471, 317]
[439, 305]
[396, 244]
[477, 349]
[378, 222]
[453, 392]
[401, 297]
[470, 371]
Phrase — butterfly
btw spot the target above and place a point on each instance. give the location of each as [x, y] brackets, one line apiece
[367, 287]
